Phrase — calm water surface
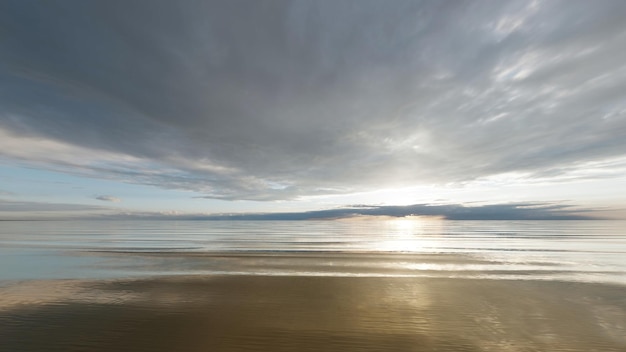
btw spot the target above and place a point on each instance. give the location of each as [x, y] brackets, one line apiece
[399, 285]
[593, 251]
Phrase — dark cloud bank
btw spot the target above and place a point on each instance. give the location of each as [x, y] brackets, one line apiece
[513, 211]
[270, 100]
[24, 210]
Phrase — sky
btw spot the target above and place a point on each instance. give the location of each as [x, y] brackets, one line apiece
[139, 108]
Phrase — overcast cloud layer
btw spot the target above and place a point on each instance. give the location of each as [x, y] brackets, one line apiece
[274, 100]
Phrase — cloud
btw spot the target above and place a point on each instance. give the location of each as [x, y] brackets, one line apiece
[509, 211]
[106, 198]
[5, 193]
[285, 99]
[33, 208]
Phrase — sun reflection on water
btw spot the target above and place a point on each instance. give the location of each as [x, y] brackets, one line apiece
[410, 234]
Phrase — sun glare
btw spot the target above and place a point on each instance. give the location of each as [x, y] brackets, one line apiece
[410, 234]
[404, 196]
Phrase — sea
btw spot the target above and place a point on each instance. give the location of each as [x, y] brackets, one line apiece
[579, 251]
[407, 284]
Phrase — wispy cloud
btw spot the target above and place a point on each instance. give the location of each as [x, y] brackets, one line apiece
[283, 99]
[30, 207]
[107, 198]
[5, 193]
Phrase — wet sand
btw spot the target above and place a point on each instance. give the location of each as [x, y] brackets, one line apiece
[299, 313]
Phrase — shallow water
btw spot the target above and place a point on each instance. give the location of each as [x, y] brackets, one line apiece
[299, 313]
[403, 285]
[588, 251]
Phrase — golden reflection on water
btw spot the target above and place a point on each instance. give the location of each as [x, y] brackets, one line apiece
[410, 234]
[265, 313]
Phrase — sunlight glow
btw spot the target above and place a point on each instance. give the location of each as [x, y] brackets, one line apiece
[403, 196]
[411, 234]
